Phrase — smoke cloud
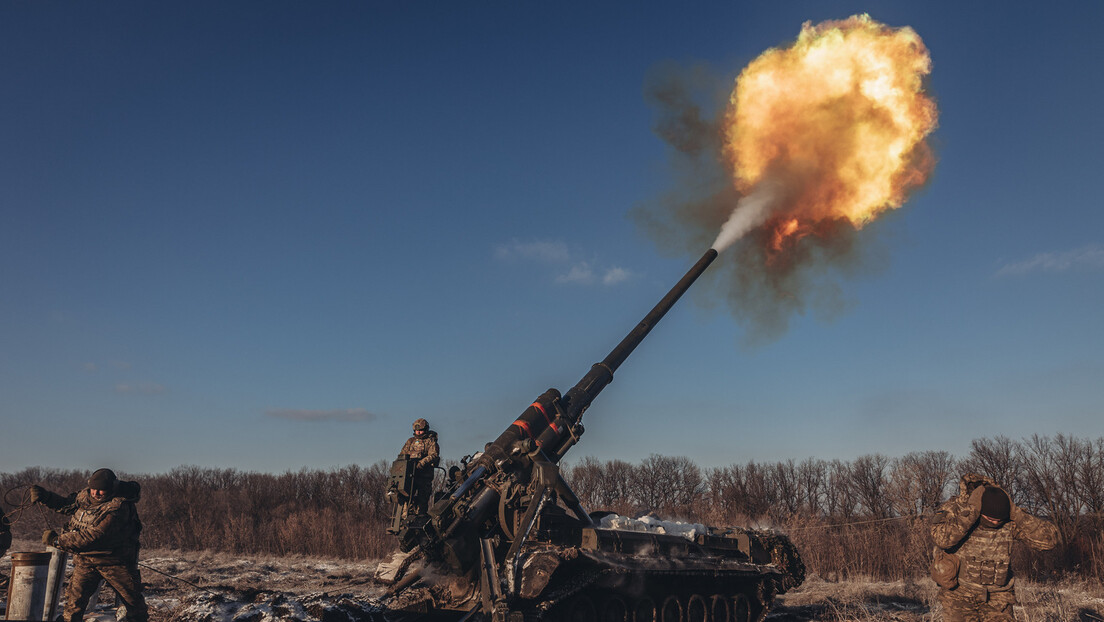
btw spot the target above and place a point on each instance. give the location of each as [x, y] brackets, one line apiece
[703, 209]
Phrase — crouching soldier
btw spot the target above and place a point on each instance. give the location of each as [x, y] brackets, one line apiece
[973, 535]
[102, 534]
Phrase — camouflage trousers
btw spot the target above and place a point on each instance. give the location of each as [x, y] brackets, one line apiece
[125, 579]
[423, 489]
[966, 605]
[5, 542]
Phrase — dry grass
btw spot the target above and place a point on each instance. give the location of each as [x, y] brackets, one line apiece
[817, 599]
[243, 581]
[1058, 602]
[914, 601]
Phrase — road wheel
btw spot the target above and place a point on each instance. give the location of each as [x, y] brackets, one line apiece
[672, 610]
[696, 609]
[719, 609]
[581, 609]
[644, 610]
[741, 609]
[614, 609]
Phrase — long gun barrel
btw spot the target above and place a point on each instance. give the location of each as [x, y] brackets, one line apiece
[543, 433]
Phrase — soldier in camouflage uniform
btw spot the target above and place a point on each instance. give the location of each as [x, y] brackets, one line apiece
[422, 447]
[102, 534]
[5, 542]
[978, 527]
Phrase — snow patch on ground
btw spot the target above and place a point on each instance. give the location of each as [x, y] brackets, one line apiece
[266, 606]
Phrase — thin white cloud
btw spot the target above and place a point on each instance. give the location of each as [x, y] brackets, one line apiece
[615, 275]
[1085, 258]
[579, 273]
[139, 388]
[571, 269]
[340, 414]
[545, 251]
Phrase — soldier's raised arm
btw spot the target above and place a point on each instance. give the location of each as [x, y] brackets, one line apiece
[1039, 534]
[955, 518]
[54, 501]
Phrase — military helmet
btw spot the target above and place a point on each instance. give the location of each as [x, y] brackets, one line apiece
[421, 424]
[102, 479]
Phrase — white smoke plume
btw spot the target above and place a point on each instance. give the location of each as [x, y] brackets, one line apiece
[750, 212]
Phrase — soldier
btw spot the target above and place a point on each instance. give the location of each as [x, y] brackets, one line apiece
[102, 534]
[973, 533]
[5, 542]
[422, 447]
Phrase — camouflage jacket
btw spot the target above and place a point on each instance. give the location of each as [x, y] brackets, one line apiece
[5, 533]
[425, 449]
[984, 553]
[104, 533]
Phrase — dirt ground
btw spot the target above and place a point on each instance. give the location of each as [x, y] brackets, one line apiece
[218, 587]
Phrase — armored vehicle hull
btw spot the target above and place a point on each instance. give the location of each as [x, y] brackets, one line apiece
[609, 575]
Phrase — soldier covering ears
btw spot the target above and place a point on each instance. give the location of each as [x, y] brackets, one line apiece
[973, 535]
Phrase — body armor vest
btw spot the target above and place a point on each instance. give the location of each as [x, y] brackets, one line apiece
[85, 518]
[416, 447]
[120, 545]
[985, 555]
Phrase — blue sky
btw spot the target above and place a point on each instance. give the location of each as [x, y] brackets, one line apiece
[269, 235]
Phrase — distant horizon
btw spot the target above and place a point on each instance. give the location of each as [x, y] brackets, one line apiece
[568, 462]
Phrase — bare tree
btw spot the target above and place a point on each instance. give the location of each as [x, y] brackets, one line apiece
[615, 492]
[998, 458]
[1090, 478]
[812, 483]
[784, 481]
[868, 479]
[603, 485]
[757, 492]
[918, 480]
[721, 490]
[840, 498]
[1051, 469]
[585, 479]
[668, 485]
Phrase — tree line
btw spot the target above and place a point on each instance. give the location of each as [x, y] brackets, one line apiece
[865, 517]
[869, 516]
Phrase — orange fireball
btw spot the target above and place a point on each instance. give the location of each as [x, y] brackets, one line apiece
[839, 119]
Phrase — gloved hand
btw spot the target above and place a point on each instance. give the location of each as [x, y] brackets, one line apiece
[49, 537]
[423, 463]
[37, 493]
[975, 498]
[972, 511]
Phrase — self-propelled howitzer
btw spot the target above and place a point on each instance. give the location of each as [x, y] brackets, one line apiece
[510, 539]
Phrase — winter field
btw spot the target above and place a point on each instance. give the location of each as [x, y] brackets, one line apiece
[292, 546]
[218, 587]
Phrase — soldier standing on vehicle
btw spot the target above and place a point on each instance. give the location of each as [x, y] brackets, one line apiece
[102, 534]
[973, 533]
[423, 448]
